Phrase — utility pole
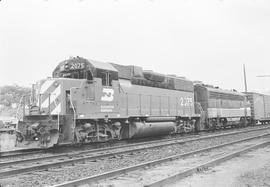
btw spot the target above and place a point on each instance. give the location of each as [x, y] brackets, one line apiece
[245, 78]
[245, 100]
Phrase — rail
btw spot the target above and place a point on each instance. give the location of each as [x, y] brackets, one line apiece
[103, 152]
[99, 177]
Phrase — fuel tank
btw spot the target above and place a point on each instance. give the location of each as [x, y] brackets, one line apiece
[160, 119]
[146, 129]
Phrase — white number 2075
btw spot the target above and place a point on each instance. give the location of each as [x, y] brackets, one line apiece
[186, 101]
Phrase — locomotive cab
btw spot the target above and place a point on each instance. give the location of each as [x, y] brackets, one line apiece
[57, 105]
[90, 102]
[95, 101]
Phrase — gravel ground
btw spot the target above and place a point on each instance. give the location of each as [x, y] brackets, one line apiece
[259, 176]
[60, 175]
[248, 170]
[147, 176]
[7, 141]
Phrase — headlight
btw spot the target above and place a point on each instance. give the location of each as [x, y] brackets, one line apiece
[56, 84]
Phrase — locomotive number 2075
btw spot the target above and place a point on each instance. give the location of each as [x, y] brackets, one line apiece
[74, 66]
[186, 101]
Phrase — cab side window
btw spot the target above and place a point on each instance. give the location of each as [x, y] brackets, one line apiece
[109, 79]
[89, 75]
[106, 79]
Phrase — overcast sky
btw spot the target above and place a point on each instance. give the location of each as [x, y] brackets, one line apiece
[205, 40]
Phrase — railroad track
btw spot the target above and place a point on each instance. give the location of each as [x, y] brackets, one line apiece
[20, 152]
[9, 168]
[124, 176]
[25, 152]
[28, 152]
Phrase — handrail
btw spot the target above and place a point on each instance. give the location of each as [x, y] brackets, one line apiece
[17, 112]
[22, 100]
[73, 108]
[198, 105]
[58, 120]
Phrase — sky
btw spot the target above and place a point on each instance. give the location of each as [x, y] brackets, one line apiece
[206, 40]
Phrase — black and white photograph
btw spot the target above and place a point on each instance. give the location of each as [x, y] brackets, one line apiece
[137, 93]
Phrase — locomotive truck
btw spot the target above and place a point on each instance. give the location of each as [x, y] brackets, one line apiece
[92, 101]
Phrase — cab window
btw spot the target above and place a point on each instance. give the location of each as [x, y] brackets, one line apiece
[89, 75]
[106, 79]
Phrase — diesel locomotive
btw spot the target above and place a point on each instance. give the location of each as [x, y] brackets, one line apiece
[92, 101]
[222, 108]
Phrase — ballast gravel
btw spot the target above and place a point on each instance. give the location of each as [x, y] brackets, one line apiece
[60, 175]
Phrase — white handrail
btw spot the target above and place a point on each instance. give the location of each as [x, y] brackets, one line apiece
[19, 107]
[72, 105]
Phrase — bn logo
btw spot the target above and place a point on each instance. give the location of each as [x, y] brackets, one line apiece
[107, 94]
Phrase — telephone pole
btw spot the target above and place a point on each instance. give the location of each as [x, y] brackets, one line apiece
[245, 78]
[245, 100]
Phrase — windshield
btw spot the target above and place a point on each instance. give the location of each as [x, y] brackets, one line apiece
[75, 74]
